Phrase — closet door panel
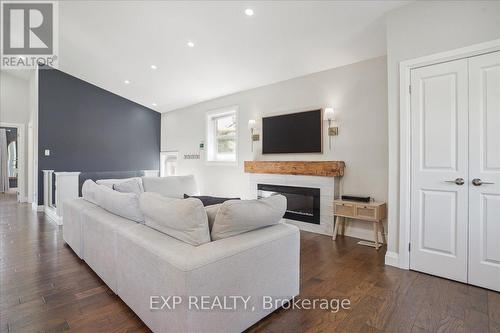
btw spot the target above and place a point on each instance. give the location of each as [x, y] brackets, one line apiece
[484, 171]
[439, 195]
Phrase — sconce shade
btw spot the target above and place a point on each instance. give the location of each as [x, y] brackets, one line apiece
[251, 124]
[329, 114]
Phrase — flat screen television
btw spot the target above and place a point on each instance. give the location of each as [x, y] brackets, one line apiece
[292, 133]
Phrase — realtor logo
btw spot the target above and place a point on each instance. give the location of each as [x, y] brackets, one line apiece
[28, 33]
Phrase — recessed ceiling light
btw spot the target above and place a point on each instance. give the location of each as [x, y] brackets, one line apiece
[190, 44]
[154, 104]
[153, 67]
[126, 82]
[249, 12]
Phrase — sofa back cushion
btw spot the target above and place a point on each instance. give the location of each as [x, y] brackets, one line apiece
[172, 186]
[238, 216]
[184, 219]
[122, 204]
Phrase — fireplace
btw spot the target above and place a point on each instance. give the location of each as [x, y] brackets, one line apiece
[303, 203]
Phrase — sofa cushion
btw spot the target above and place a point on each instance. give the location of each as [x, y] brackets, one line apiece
[238, 216]
[122, 204]
[185, 219]
[110, 182]
[173, 186]
[208, 200]
[131, 186]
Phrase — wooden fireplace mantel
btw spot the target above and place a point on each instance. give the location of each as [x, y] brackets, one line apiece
[306, 168]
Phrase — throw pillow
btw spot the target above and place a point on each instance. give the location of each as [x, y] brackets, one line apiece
[122, 204]
[89, 190]
[131, 186]
[110, 182]
[238, 216]
[185, 219]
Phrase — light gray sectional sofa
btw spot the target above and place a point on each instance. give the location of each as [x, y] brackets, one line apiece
[138, 262]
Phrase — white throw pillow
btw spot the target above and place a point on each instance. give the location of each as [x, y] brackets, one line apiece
[238, 216]
[131, 186]
[184, 219]
[122, 204]
[89, 190]
[172, 186]
[110, 182]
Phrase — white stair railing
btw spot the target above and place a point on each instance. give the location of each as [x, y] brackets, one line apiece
[66, 187]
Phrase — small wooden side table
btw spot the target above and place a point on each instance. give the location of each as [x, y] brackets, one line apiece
[374, 212]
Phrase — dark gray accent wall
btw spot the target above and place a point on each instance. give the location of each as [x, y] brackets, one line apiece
[90, 129]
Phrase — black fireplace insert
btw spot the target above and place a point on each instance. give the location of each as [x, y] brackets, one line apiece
[303, 203]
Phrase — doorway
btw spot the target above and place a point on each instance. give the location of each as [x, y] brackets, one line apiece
[14, 165]
[455, 170]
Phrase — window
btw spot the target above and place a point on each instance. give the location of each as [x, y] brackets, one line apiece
[222, 134]
[168, 163]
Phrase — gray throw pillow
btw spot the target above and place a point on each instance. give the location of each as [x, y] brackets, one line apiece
[184, 219]
[110, 182]
[89, 190]
[122, 204]
[235, 217]
[131, 186]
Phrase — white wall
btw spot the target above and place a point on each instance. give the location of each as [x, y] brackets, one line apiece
[424, 28]
[357, 91]
[15, 108]
[14, 101]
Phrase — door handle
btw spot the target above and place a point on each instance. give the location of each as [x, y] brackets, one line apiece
[458, 181]
[479, 182]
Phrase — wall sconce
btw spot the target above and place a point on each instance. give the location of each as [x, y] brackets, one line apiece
[252, 125]
[333, 130]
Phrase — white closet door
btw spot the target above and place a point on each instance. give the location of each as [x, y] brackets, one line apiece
[484, 166]
[439, 191]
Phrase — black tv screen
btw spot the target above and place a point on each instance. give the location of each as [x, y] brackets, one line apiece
[292, 133]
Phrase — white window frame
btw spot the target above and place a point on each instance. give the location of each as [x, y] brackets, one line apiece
[210, 135]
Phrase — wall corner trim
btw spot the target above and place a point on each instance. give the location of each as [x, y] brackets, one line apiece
[392, 259]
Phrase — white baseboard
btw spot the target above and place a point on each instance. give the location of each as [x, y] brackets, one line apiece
[392, 259]
[360, 233]
[351, 231]
[23, 199]
[37, 208]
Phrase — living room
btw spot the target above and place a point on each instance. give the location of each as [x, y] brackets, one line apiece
[251, 166]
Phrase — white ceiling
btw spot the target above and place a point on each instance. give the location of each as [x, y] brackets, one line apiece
[107, 42]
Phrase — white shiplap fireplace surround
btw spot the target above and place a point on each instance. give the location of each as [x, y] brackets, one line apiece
[276, 173]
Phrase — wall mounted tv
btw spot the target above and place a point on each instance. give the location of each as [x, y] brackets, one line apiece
[292, 133]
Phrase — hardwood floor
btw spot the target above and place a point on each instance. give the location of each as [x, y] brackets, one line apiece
[46, 288]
